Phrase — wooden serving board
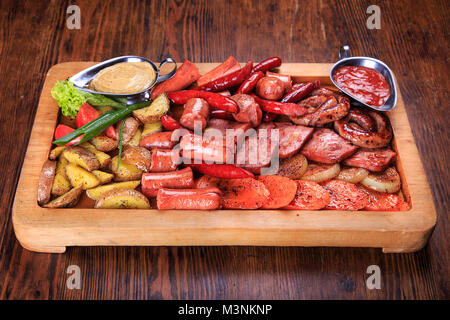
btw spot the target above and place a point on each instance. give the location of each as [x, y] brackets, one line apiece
[52, 230]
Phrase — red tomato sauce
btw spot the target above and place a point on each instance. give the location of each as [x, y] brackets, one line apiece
[365, 84]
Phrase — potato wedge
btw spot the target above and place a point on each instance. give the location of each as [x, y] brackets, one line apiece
[388, 181]
[104, 143]
[150, 128]
[126, 171]
[55, 153]
[104, 177]
[45, 183]
[130, 128]
[61, 183]
[154, 112]
[80, 177]
[293, 167]
[103, 158]
[122, 199]
[138, 156]
[321, 172]
[96, 192]
[81, 157]
[69, 199]
[134, 142]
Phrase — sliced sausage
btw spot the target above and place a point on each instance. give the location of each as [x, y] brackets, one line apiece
[292, 138]
[249, 110]
[161, 140]
[345, 196]
[164, 160]
[207, 149]
[326, 146]
[195, 109]
[152, 182]
[286, 79]
[375, 160]
[46, 181]
[189, 199]
[270, 88]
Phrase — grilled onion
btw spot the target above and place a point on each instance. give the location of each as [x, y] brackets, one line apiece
[387, 181]
[353, 175]
[321, 172]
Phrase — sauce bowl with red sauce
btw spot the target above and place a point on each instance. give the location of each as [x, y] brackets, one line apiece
[368, 81]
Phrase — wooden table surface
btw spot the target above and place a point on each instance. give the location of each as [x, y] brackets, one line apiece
[413, 41]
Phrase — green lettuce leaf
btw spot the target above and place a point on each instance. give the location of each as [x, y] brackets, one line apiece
[68, 97]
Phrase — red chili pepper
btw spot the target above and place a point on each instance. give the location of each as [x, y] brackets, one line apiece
[228, 81]
[62, 130]
[267, 65]
[215, 100]
[269, 117]
[288, 109]
[221, 114]
[169, 123]
[225, 171]
[301, 92]
[88, 113]
[249, 84]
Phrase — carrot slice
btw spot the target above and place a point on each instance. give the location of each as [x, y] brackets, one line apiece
[185, 75]
[309, 196]
[282, 191]
[228, 66]
[345, 196]
[246, 193]
[380, 201]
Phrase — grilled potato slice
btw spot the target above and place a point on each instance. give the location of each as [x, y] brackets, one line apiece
[353, 175]
[293, 167]
[130, 127]
[61, 183]
[154, 112]
[69, 199]
[138, 156]
[81, 157]
[80, 177]
[321, 172]
[150, 128]
[46, 177]
[96, 192]
[104, 143]
[134, 142]
[103, 158]
[55, 153]
[103, 177]
[122, 199]
[126, 171]
[388, 181]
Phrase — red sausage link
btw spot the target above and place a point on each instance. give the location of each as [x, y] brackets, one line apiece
[164, 160]
[225, 171]
[152, 182]
[301, 92]
[215, 100]
[228, 81]
[196, 147]
[169, 123]
[267, 65]
[160, 140]
[217, 113]
[195, 109]
[248, 85]
[287, 109]
[189, 199]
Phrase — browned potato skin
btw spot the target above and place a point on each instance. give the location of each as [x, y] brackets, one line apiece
[293, 167]
[67, 200]
[126, 171]
[130, 128]
[46, 181]
[86, 156]
[104, 143]
[117, 193]
[138, 156]
[55, 153]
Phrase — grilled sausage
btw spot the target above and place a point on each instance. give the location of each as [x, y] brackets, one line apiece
[249, 110]
[160, 140]
[152, 182]
[270, 88]
[164, 160]
[189, 199]
[195, 109]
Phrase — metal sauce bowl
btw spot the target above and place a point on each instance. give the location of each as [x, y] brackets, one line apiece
[81, 79]
[372, 63]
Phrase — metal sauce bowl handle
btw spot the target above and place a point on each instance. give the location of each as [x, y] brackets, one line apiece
[344, 52]
[168, 75]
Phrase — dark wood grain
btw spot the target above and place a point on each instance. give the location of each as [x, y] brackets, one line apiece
[413, 40]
